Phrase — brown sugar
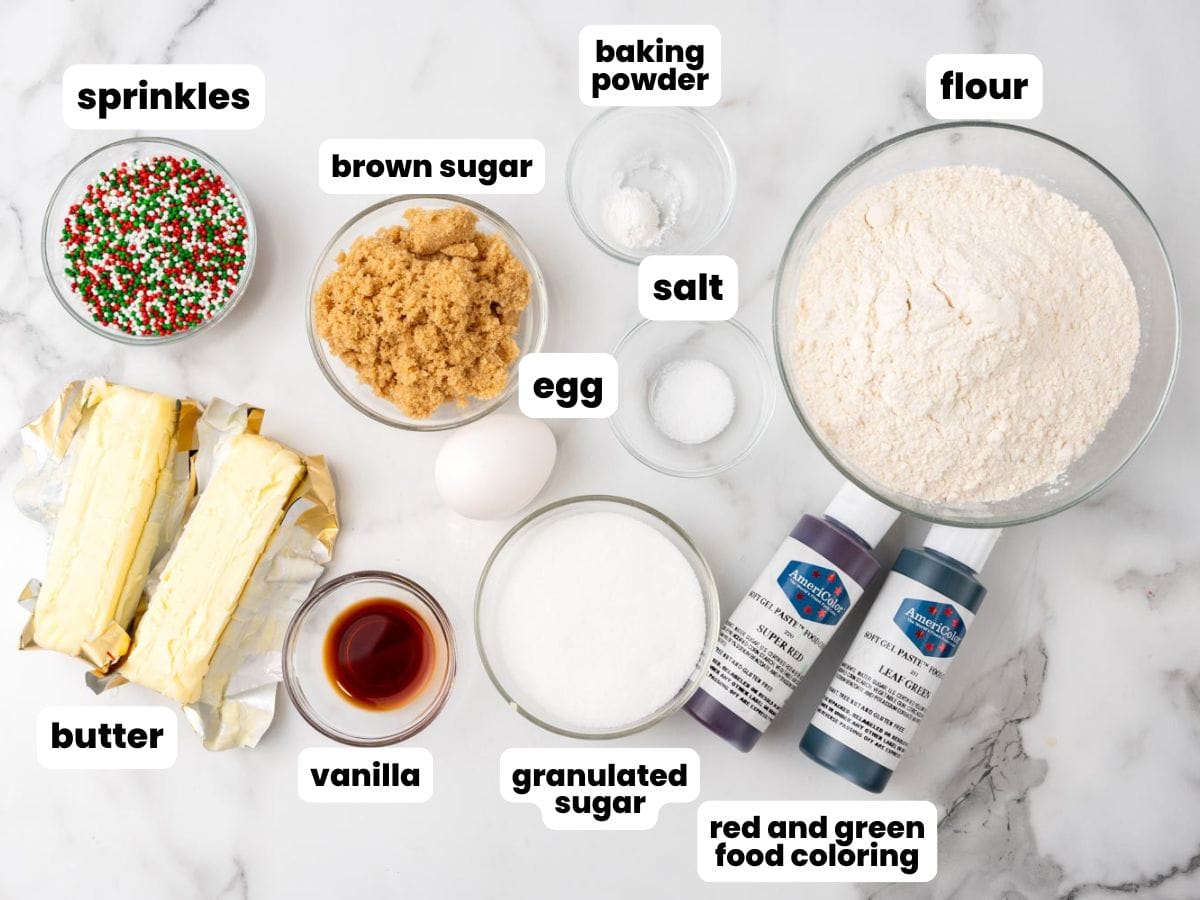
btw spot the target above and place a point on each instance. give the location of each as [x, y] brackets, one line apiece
[426, 314]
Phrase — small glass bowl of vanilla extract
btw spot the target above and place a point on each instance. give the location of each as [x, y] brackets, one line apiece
[368, 659]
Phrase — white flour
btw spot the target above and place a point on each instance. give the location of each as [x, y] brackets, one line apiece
[963, 335]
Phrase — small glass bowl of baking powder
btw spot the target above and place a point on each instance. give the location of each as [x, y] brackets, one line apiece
[649, 180]
[695, 397]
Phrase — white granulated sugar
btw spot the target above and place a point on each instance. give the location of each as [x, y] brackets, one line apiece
[601, 621]
[633, 218]
[963, 335]
[691, 400]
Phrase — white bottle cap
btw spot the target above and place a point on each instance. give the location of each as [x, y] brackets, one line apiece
[970, 546]
[861, 513]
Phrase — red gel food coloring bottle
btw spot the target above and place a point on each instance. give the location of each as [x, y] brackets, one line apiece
[788, 616]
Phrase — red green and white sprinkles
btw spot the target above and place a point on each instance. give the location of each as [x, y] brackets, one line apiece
[155, 246]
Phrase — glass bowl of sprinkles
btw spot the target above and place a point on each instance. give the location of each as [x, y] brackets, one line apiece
[147, 241]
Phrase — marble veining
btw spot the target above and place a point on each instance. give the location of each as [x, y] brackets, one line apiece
[1064, 751]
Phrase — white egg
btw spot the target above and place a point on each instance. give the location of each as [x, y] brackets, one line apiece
[493, 468]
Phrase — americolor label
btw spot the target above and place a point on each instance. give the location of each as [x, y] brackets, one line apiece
[935, 629]
[888, 678]
[779, 628]
[817, 592]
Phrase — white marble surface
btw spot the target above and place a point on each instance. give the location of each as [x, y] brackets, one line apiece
[1063, 753]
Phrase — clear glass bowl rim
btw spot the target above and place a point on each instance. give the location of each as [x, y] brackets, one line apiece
[705, 124]
[293, 631]
[829, 454]
[537, 299]
[114, 334]
[708, 587]
[766, 411]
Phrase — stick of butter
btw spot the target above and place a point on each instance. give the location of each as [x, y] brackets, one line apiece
[203, 578]
[105, 537]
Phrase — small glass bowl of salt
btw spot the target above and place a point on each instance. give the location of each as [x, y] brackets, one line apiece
[649, 180]
[695, 397]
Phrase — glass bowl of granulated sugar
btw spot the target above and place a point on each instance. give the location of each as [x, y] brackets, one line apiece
[596, 617]
[977, 324]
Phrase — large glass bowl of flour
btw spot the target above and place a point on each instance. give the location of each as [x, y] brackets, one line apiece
[1059, 168]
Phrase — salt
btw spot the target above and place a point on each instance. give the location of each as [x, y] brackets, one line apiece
[691, 400]
[601, 622]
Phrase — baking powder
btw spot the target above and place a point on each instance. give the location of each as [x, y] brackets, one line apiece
[633, 218]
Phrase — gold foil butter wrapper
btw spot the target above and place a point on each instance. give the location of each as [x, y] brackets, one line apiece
[48, 451]
[239, 692]
[237, 702]
[238, 695]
